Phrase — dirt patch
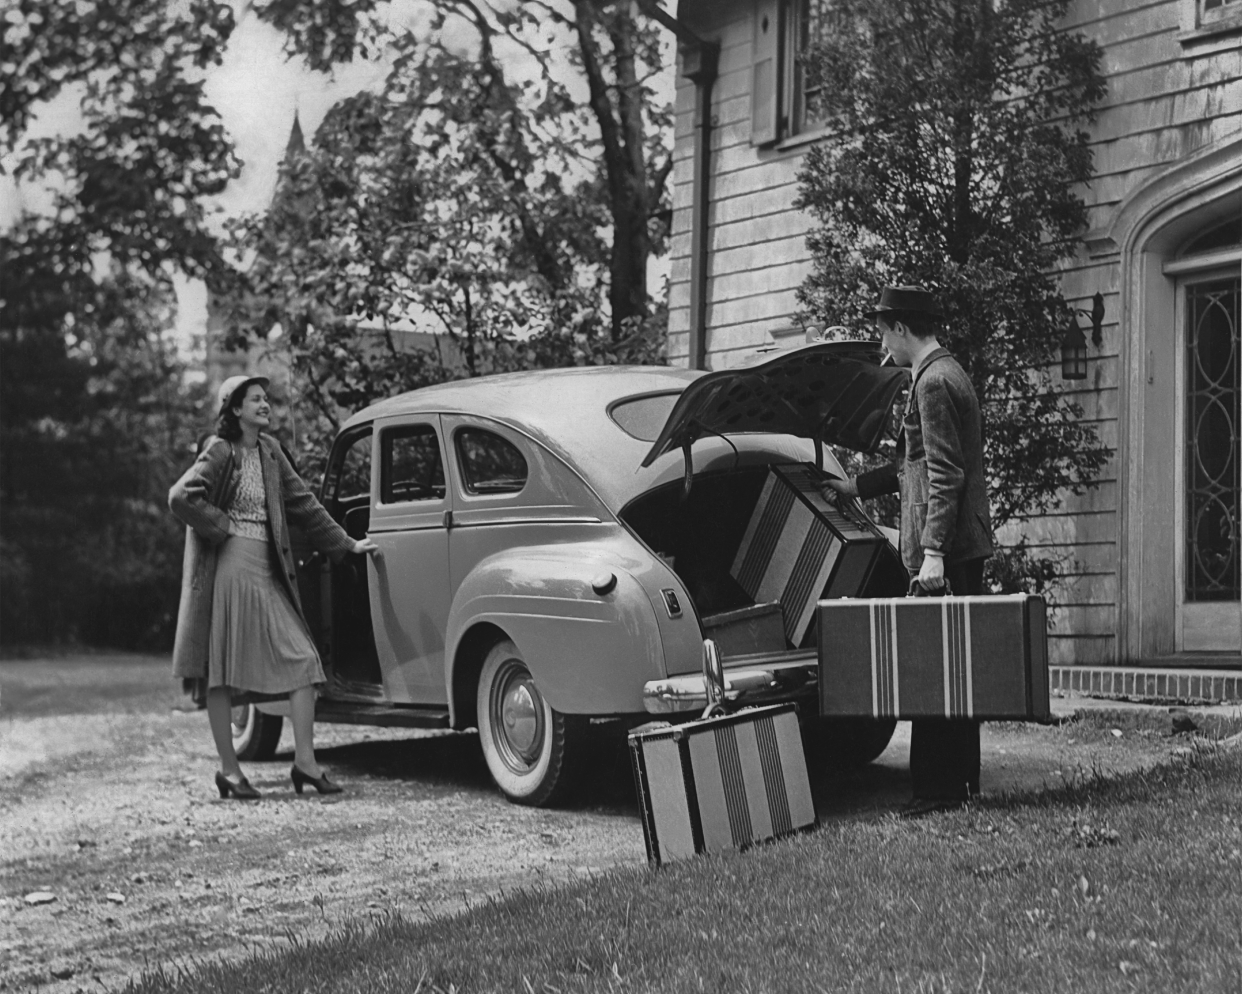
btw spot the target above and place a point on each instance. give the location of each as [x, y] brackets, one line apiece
[109, 806]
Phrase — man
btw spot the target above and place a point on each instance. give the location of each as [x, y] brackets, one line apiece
[946, 529]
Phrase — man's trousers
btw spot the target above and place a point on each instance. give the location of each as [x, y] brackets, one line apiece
[944, 752]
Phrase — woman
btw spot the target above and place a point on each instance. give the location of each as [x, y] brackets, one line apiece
[240, 628]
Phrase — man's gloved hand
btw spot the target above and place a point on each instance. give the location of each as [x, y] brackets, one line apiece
[931, 575]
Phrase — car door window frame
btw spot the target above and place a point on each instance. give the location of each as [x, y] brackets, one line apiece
[336, 462]
[406, 514]
[459, 467]
[393, 432]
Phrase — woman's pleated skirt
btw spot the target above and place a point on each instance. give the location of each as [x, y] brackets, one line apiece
[260, 646]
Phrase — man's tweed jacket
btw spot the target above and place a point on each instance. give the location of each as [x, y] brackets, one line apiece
[939, 468]
[200, 498]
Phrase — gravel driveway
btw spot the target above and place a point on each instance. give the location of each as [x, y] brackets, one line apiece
[106, 802]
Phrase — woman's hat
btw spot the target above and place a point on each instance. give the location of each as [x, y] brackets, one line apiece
[910, 299]
[233, 384]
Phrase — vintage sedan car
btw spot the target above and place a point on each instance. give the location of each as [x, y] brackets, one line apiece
[552, 542]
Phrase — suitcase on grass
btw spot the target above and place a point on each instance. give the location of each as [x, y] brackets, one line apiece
[982, 657]
[801, 546]
[724, 781]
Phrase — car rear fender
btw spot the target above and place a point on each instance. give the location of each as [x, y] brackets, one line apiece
[589, 652]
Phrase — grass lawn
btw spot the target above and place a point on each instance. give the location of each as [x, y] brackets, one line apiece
[1128, 883]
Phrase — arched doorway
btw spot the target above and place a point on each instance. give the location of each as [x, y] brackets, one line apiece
[1179, 450]
[1208, 512]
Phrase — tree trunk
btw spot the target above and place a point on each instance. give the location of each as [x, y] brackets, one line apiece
[622, 134]
[961, 232]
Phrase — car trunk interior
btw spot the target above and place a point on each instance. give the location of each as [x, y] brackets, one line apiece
[699, 535]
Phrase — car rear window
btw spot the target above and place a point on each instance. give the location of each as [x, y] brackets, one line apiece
[489, 464]
[643, 416]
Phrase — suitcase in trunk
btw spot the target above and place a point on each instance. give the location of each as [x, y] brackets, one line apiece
[758, 628]
[722, 782]
[800, 546]
[920, 657]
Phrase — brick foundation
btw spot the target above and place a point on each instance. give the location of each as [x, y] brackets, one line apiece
[1142, 683]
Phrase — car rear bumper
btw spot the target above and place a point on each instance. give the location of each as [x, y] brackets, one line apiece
[760, 679]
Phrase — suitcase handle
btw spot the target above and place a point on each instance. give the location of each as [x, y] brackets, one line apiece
[918, 590]
[713, 679]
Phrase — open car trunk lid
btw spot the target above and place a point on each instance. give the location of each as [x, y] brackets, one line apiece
[834, 392]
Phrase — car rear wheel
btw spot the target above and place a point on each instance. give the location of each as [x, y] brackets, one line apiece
[844, 743]
[255, 734]
[532, 751]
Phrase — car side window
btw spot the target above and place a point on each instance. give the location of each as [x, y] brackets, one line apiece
[489, 463]
[351, 481]
[410, 466]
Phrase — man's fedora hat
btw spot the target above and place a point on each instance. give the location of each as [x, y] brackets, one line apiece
[908, 299]
[235, 384]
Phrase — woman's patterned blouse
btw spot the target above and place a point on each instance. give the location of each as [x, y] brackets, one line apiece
[249, 510]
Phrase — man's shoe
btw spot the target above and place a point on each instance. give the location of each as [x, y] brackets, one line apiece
[921, 807]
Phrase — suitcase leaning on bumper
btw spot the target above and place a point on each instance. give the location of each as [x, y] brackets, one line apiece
[981, 657]
[723, 781]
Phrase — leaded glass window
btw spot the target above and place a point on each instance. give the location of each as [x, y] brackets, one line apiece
[1213, 421]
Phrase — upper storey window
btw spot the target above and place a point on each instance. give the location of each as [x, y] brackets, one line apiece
[1207, 20]
[1213, 9]
[783, 102]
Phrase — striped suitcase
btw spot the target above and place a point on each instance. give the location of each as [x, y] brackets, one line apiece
[929, 657]
[800, 546]
[721, 783]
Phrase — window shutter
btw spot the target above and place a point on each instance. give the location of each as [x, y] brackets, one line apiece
[765, 73]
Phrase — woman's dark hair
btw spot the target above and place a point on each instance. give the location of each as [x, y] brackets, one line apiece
[227, 425]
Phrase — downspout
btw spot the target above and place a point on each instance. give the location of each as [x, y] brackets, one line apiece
[699, 66]
[699, 59]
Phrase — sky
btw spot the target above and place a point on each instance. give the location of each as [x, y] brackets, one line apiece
[256, 90]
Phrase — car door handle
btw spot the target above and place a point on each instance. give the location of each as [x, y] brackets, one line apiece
[448, 519]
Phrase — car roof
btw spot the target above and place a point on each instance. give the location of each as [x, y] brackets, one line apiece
[565, 410]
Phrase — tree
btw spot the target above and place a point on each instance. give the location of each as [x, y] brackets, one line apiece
[461, 201]
[619, 135]
[95, 419]
[955, 153]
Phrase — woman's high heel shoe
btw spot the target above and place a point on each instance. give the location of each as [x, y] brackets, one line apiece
[239, 788]
[321, 783]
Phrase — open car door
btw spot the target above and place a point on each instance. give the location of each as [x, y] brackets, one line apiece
[836, 393]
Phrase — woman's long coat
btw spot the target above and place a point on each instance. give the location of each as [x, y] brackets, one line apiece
[200, 498]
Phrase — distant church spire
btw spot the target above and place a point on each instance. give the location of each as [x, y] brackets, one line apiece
[297, 143]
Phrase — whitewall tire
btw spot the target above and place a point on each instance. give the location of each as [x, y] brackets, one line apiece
[532, 751]
[255, 734]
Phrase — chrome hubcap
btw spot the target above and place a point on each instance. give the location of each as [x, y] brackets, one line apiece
[517, 717]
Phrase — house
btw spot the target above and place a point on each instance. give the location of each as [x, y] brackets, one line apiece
[1155, 587]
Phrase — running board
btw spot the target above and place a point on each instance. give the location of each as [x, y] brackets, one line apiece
[339, 713]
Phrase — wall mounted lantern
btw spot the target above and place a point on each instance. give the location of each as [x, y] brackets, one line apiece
[1074, 342]
[1073, 352]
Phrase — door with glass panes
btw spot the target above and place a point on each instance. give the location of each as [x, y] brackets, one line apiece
[1209, 558]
